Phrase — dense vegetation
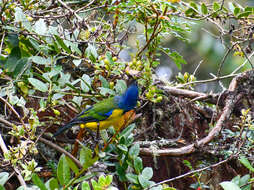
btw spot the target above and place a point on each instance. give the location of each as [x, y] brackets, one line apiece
[58, 57]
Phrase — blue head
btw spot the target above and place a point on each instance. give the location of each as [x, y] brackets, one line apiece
[128, 100]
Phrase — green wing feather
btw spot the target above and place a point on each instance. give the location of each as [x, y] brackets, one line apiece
[98, 112]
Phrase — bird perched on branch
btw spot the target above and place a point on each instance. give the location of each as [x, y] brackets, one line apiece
[108, 112]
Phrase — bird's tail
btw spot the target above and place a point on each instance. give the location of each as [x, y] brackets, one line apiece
[67, 126]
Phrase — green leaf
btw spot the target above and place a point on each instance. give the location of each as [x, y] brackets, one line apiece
[134, 151]
[12, 59]
[85, 186]
[2, 187]
[178, 59]
[104, 91]
[109, 58]
[52, 184]
[147, 173]
[216, 6]
[13, 40]
[3, 177]
[86, 83]
[77, 62]
[109, 179]
[40, 27]
[21, 17]
[159, 187]
[244, 14]
[190, 12]
[86, 157]
[37, 84]
[194, 5]
[227, 185]
[188, 164]
[34, 43]
[41, 60]
[91, 52]
[62, 44]
[244, 180]
[72, 165]
[20, 67]
[251, 9]
[143, 182]
[101, 181]
[121, 171]
[83, 178]
[237, 11]
[120, 86]
[133, 178]
[122, 147]
[63, 171]
[104, 82]
[204, 9]
[246, 163]
[128, 130]
[138, 165]
[37, 181]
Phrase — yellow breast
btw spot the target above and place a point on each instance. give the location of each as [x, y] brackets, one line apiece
[113, 120]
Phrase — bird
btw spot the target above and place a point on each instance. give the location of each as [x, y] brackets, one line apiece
[106, 113]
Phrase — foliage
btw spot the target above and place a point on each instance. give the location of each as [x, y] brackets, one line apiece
[57, 54]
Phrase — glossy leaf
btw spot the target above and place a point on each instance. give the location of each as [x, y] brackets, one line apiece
[104, 82]
[21, 65]
[85, 186]
[237, 11]
[246, 163]
[39, 85]
[109, 179]
[72, 165]
[143, 181]
[12, 59]
[133, 178]
[40, 27]
[194, 5]
[52, 184]
[138, 165]
[3, 177]
[227, 185]
[120, 86]
[128, 130]
[40, 60]
[122, 147]
[86, 83]
[86, 157]
[147, 173]
[21, 17]
[102, 181]
[244, 14]
[63, 171]
[62, 44]
[178, 59]
[37, 181]
[204, 9]
[216, 6]
[91, 52]
[2, 187]
[83, 178]
[134, 151]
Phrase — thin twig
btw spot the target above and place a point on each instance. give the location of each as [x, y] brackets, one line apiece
[13, 110]
[192, 172]
[242, 65]
[58, 148]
